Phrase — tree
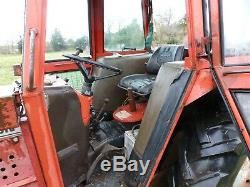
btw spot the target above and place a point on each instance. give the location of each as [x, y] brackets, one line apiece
[130, 35]
[169, 31]
[70, 44]
[57, 41]
[20, 45]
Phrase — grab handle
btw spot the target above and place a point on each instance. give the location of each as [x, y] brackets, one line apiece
[33, 34]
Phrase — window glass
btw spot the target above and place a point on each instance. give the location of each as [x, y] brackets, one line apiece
[236, 29]
[67, 28]
[11, 38]
[123, 25]
[170, 25]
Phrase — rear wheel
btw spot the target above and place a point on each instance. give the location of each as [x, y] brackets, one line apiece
[210, 152]
[211, 155]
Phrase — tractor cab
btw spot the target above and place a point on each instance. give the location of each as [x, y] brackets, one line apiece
[104, 115]
[140, 96]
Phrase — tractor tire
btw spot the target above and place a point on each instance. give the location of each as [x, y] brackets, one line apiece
[211, 153]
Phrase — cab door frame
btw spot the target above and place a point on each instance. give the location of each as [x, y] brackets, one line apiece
[228, 78]
[33, 87]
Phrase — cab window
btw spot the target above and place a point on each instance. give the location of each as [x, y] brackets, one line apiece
[235, 31]
[123, 25]
[11, 38]
[170, 25]
[67, 28]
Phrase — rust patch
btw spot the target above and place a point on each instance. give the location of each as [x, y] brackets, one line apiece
[8, 116]
[17, 70]
[15, 163]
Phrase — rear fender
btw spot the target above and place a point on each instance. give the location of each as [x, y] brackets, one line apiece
[171, 110]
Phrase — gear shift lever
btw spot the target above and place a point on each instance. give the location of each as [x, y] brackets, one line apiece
[98, 117]
[78, 51]
[106, 101]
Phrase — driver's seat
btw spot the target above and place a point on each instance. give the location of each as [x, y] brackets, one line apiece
[142, 84]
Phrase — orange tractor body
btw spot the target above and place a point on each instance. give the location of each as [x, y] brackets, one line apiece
[29, 148]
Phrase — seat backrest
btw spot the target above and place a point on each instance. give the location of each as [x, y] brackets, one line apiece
[163, 54]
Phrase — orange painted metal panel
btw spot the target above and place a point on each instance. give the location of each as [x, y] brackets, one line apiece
[123, 114]
[27, 135]
[203, 84]
[86, 102]
[226, 85]
[229, 78]
[195, 30]
[237, 60]
[33, 96]
[40, 128]
[62, 66]
[15, 163]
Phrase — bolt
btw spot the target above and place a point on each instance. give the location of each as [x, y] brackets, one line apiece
[122, 184]
[15, 140]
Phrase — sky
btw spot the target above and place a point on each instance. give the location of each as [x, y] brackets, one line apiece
[70, 16]
[11, 20]
[236, 22]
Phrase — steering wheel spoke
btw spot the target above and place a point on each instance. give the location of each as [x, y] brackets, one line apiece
[80, 61]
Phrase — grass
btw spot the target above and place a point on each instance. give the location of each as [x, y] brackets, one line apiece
[7, 61]
[6, 71]
[57, 55]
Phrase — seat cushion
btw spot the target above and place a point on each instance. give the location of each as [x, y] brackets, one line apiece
[141, 84]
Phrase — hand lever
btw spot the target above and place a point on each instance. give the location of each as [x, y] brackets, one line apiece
[106, 101]
[78, 51]
[131, 100]
[97, 120]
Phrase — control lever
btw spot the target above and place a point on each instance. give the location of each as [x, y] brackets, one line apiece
[98, 117]
[131, 100]
[78, 51]
[106, 101]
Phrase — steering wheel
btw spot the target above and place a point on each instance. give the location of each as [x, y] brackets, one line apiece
[80, 61]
